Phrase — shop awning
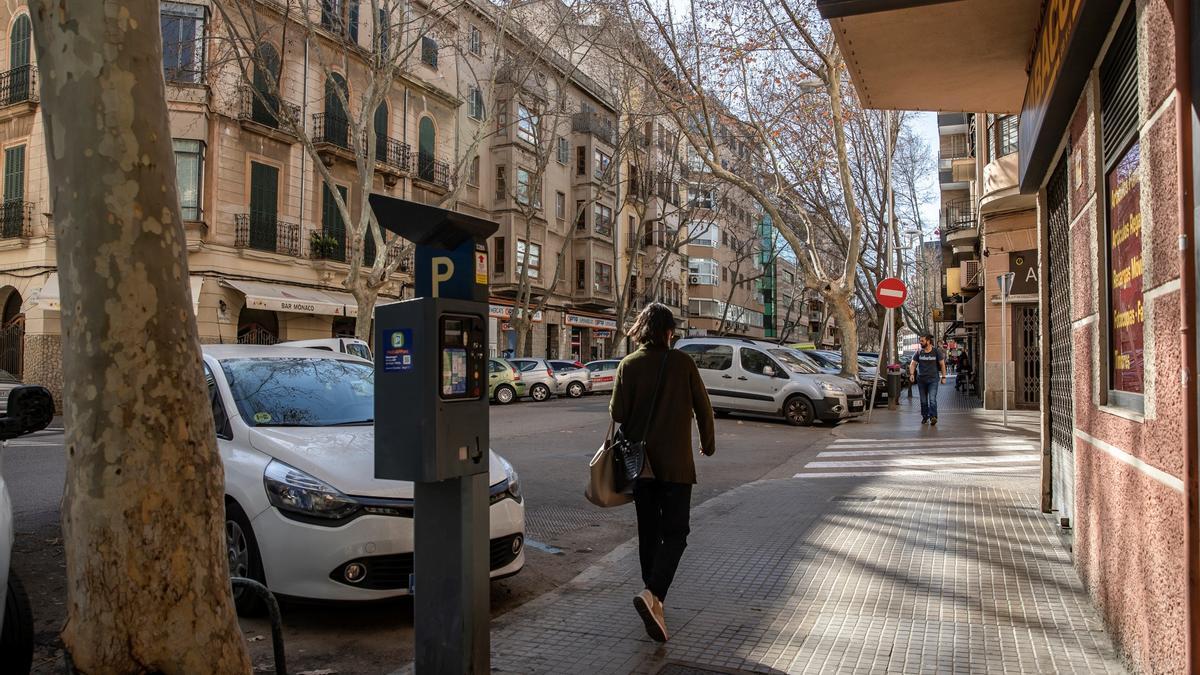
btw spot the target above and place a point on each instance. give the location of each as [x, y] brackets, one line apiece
[294, 299]
[47, 297]
[965, 56]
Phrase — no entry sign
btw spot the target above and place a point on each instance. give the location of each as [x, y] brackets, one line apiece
[891, 292]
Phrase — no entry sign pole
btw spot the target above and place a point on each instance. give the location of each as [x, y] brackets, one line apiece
[890, 294]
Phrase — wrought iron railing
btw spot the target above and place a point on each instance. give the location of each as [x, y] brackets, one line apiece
[263, 232]
[18, 85]
[433, 170]
[266, 109]
[331, 129]
[595, 124]
[393, 153]
[958, 215]
[16, 218]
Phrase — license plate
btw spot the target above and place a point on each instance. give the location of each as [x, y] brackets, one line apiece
[856, 404]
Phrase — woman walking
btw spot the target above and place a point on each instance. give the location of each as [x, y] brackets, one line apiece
[656, 376]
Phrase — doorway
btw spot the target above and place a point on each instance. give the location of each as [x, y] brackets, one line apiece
[1027, 356]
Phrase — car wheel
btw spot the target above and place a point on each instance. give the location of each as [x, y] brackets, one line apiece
[16, 642]
[505, 394]
[799, 411]
[539, 392]
[575, 390]
[244, 561]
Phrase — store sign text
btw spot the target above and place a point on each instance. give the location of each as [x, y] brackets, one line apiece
[1126, 271]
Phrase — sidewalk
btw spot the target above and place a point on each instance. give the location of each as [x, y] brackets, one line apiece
[929, 556]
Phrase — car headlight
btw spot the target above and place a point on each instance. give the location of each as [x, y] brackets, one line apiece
[294, 492]
[511, 487]
[832, 388]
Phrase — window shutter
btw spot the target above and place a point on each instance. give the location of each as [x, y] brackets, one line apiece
[14, 174]
[1119, 90]
[581, 161]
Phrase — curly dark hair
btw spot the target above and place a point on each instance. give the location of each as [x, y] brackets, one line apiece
[652, 325]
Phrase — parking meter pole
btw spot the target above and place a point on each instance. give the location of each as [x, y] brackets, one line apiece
[450, 595]
[432, 427]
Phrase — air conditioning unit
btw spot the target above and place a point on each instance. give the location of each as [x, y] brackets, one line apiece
[971, 274]
[694, 280]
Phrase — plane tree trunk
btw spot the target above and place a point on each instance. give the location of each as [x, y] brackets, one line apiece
[147, 576]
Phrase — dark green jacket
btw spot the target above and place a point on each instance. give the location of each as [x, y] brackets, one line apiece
[669, 441]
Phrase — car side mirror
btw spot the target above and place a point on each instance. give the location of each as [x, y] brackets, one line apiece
[768, 371]
[30, 409]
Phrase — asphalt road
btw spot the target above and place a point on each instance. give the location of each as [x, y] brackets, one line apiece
[549, 444]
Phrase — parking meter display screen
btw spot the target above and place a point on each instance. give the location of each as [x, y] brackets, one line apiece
[462, 357]
[454, 372]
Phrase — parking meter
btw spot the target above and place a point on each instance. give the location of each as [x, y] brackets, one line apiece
[431, 355]
[431, 426]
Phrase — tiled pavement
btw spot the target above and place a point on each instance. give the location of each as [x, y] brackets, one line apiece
[893, 570]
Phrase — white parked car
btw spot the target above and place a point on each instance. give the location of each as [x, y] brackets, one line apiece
[304, 513]
[604, 374]
[341, 345]
[572, 379]
[28, 409]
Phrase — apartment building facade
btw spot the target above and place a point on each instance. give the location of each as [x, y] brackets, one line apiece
[267, 247]
[1106, 149]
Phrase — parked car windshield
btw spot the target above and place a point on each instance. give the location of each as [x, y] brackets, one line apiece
[797, 363]
[301, 392]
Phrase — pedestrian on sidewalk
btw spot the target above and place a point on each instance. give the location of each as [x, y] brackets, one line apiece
[927, 369]
[663, 492]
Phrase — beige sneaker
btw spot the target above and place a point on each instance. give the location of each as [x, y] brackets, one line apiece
[651, 611]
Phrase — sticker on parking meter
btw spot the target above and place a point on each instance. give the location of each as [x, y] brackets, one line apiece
[454, 372]
[397, 350]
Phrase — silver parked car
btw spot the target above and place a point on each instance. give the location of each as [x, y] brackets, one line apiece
[604, 374]
[573, 379]
[752, 376]
[538, 376]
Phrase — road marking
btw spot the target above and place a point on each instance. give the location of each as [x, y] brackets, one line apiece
[910, 445]
[542, 547]
[32, 444]
[914, 472]
[927, 451]
[923, 461]
[874, 442]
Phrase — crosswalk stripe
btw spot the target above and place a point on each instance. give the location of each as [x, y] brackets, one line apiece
[922, 461]
[915, 472]
[909, 447]
[892, 442]
[926, 451]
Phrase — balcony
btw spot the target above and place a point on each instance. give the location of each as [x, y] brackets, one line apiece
[19, 85]
[331, 136]
[16, 218]
[266, 233]
[266, 111]
[594, 124]
[433, 171]
[393, 158]
[952, 119]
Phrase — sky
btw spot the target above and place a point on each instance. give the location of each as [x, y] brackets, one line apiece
[926, 124]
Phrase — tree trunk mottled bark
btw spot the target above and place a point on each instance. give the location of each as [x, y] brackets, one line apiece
[365, 298]
[147, 577]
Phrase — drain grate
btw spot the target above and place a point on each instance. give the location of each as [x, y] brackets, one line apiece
[852, 498]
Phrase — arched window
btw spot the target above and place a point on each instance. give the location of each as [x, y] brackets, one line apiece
[426, 142]
[19, 85]
[265, 100]
[337, 121]
[381, 134]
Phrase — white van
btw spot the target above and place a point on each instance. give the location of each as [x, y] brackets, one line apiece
[763, 378]
[342, 345]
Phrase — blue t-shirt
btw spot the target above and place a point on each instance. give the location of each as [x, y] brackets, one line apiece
[927, 365]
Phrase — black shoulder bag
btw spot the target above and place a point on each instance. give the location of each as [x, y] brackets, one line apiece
[630, 456]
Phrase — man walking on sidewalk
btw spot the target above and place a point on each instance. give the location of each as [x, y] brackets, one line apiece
[927, 369]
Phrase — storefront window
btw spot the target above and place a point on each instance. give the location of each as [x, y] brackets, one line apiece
[1127, 327]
